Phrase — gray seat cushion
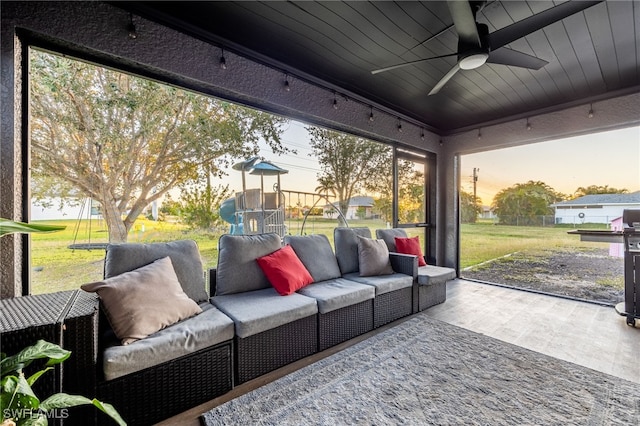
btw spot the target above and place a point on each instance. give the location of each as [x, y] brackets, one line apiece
[256, 311]
[346, 244]
[184, 254]
[389, 236]
[383, 283]
[237, 270]
[201, 331]
[316, 255]
[429, 275]
[338, 293]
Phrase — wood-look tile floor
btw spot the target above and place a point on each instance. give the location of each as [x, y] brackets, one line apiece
[587, 334]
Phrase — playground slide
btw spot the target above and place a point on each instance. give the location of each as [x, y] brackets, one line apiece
[228, 214]
[228, 210]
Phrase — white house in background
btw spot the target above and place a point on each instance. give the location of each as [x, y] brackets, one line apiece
[597, 208]
[355, 204]
[487, 213]
[57, 209]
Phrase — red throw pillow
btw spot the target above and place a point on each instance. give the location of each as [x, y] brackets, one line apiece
[410, 246]
[285, 271]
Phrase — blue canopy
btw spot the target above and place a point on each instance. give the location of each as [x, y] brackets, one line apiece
[266, 168]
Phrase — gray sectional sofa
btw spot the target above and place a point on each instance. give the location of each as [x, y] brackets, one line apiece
[243, 327]
[274, 330]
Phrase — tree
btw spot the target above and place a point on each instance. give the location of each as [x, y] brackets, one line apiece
[411, 196]
[201, 207]
[525, 203]
[410, 192]
[125, 141]
[470, 208]
[349, 163]
[170, 207]
[596, 189]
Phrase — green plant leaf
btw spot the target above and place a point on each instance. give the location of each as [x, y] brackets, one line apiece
[31, 380]
[9, 227]
[25, 393]
[17, 398]
[37, 419]
[41, 349]
[63, 400]
[110, 411]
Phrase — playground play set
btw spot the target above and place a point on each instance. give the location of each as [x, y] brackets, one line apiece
[254, 211]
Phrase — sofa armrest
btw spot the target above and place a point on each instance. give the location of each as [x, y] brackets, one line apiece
[212, 281]
[404, 264]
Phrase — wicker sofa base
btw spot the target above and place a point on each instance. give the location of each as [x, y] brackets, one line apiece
[343, 324]
[391, 306]
[431, 295]
[275, 348]
[156, 393]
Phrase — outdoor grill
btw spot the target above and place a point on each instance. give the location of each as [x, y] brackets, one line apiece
[631, 234]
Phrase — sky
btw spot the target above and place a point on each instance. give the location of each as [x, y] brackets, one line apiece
[608, 158]
[303, 169]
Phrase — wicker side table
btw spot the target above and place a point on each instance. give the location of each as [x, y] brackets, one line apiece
[25, 320]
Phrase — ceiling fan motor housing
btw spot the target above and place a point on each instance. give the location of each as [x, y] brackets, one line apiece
[471, 56]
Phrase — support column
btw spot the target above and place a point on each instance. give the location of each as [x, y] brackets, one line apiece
[11, 159]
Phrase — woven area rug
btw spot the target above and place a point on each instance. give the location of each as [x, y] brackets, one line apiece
[426, 372]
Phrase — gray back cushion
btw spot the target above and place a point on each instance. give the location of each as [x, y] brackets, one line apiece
[316, 255]
[238, 271]
[184, 254]
[346, 243]
[389, 236]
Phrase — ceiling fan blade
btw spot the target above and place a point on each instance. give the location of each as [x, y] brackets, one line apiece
[514, 58]
[465, 23]
[436, 35]
[519, 29]
[445, 79]
[404, 64]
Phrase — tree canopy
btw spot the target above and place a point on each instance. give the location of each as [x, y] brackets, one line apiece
[598, 189]
[470, 208]
[349, 164]
[525, 203]
[125, 141]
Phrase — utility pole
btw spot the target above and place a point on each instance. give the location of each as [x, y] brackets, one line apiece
[475, 181]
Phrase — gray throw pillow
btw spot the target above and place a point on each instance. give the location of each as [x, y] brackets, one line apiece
[316, 255]
[373, 257]
[238, 270]
[389, 236]
[140, 302]
[346, 244]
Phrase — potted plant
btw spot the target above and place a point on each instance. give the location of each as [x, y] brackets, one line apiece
[20, 405]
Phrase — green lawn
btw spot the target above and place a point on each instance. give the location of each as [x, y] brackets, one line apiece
[484, 241]
[56, 267]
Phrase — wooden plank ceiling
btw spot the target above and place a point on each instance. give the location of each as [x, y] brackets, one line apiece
[592, 54]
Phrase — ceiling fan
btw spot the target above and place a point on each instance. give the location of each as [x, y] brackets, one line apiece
[476, 46]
